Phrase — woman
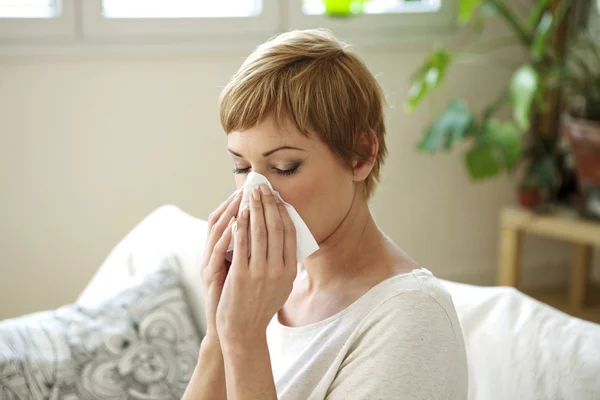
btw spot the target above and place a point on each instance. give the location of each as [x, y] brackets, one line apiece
[358, 319]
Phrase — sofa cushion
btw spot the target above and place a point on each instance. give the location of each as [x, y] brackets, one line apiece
[520, 348]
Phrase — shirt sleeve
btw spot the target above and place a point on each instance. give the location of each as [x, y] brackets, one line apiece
[405, 349]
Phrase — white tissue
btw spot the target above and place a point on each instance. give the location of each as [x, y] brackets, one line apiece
[305, 242]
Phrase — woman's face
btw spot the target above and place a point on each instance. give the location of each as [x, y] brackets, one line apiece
[302, 169]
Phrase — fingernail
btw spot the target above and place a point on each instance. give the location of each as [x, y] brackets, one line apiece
[255, 194]
[245, 213]
[265, 189]
[231, 221]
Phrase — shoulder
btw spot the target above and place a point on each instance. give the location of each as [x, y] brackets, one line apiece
[412, 338]
[410, 306]
[423, 311]
[416, 295]
[413, 318]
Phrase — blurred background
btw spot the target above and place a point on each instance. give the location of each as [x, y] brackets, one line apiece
[109, 109]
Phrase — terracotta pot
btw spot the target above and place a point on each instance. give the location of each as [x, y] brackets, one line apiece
[529, 198]
[585, 140]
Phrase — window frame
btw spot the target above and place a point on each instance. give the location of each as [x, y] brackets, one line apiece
[61, 27]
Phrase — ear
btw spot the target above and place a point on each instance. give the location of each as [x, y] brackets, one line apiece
[366, 154]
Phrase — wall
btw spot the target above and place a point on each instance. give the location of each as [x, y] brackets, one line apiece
[88, 147]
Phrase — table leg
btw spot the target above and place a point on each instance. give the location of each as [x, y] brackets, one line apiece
[509, 256]
[580, 274]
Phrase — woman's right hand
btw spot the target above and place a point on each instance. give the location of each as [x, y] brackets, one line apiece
[213, 266]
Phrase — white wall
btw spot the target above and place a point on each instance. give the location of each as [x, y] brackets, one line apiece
[88, 147]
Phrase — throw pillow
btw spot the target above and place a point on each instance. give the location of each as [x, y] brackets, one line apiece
[140, 344]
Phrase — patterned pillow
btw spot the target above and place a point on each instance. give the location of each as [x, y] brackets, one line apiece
[140, 344]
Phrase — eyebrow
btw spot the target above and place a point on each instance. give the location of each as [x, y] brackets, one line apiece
[268, 153]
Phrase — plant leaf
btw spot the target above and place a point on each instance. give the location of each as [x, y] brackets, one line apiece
[507, 138]
[523, 86]
[427, 77]
[541, 6]
[466, 8]
[498, 148]
[483, 161]
[541, 36]
[415, 95]
[343, 8]
[452, 126]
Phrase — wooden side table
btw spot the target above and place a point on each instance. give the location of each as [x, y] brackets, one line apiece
[564, 225]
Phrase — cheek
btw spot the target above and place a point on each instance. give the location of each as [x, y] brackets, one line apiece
[319, 199]
[239, 180]
[297, 192]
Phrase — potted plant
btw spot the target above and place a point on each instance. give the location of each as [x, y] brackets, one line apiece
[529, 192]
[531, 136]
[581, 121]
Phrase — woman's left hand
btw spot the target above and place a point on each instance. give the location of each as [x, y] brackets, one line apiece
[256, 288]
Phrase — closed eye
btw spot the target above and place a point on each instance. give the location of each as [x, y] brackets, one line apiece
[287, 171]
[278, 171]
[241, 170]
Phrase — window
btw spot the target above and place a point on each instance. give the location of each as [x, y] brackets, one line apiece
[187, 19]
[381, 21]
[221, 25]
[28, 9]
[180, 8]
[316, 7]
[37, 19]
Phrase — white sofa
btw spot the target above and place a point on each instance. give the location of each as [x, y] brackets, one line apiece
[517, 347]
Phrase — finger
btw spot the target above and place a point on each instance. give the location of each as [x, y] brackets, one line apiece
[230, 212]
[274, 226]
[218, 254]
[213, 218]
[289, 238]
[240, 246]
[258, 229]
[219, 227]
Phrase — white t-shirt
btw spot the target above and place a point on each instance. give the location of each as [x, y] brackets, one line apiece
[400, 340]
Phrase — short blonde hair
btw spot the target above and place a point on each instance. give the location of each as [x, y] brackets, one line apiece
[318, 83]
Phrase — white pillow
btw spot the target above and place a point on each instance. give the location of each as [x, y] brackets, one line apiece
[167, 230]
[140, 344]
[519, 348]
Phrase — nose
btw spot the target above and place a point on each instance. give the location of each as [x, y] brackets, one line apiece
[240, 180]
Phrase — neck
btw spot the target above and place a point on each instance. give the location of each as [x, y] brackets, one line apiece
[345, 251]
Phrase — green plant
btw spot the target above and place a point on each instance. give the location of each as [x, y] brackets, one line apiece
[533, 93]
[343, 8]
[530, 183]
[582, 88]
